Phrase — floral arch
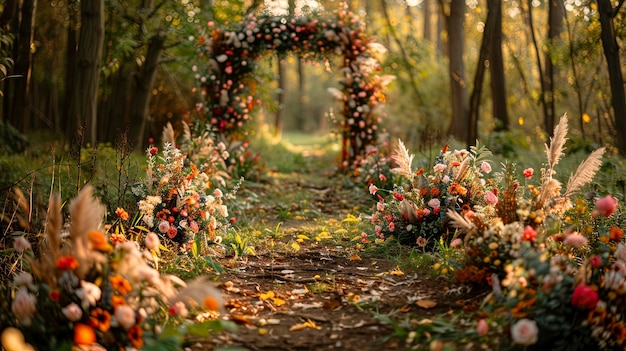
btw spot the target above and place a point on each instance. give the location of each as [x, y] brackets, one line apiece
[228, 82]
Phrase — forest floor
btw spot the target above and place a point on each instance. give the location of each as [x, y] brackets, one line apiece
[329, 294]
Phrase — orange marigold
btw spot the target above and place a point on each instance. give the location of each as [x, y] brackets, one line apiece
[67, 263]
[100, 319]
[135, 336]
[616, 234]
[122, 214]
[98, 241]
[120, 284]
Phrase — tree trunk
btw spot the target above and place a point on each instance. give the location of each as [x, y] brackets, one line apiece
[117, 103]
[483, 62]
[140, 107]
[542, 79]
[280, 96]
[84, 105]
[428, 24]
[611, 53]
[496, 68]
[70, 69]
[458, 87]
[555, 28]
[19, 88]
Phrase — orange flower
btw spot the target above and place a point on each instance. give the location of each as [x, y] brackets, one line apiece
[98, 241]
[211, 303]
[117, 301]
[457, 189]
[616, 234]
[419, 171]
[434, 192]
[120, 284]
[455, 163]
[122, 214]
[67, 263]
[619, 330]
[84, 334]
[423, 192]
[100, 319]
[135, 335]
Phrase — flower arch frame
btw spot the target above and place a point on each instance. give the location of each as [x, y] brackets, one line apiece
[228, 83]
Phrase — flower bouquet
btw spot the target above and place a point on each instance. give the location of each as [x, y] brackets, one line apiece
[414, 211]
[82, 291]
[179, 200]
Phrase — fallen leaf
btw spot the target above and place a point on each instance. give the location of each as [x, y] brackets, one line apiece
[266, 296]
[303, 237]
[241, 320]
[341, 231]
[262, 331]
[396, 271]
[350, 219]
[308, 324]
[278, 301]
[426, 303]
[333, 303]
[355, 257]
[295, 246]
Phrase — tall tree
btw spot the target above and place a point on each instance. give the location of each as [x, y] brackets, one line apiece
[556, 14]
[456, 67]
[496, 69]
[18, 92]
[84, 106]
[611, 52]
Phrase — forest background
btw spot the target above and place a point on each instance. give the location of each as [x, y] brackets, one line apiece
[464, 69]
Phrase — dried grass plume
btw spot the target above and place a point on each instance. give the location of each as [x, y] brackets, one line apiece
[403, 160]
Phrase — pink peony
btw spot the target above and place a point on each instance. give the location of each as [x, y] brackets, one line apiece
[485, 167]
[23, 306]
[164, 226]
[584, 297]
[528, 172]
[21, 243]
[491, 198]
[482, 328]
[125, 316]
[73, 312]
[524, 332]
[575, 240]
[605, 206]
[434, 203]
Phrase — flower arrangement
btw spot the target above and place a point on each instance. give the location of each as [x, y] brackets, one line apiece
[555, 262]
[179, 199]
[228, 84]
[87, 292]
[415, 210]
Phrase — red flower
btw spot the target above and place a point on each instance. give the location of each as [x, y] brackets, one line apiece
[398, 197]
[67, 263]
[528, 172]
[595, 261]
[529, 234]
[55, 296]
[584, 297]
[153, 151]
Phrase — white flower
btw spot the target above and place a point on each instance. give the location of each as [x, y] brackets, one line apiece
[446, 179]
[23, 279]
[125, 316]
[223, 210]
[73, 312]
[524, 332]
[89, 293]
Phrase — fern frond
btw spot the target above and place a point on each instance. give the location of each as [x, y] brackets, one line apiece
[554, 152]
[404, 161]
[585, 172]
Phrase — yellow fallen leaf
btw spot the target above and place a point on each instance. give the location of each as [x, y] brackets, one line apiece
[396, 271]
[350, 219]
[332, 221]
[341, 231]
[324, 235]
[267, 295]
[303, 237]
[262, 331]
[355, 257]
[298, 218]
[308, 324]
[426, 303]
[300, 240]
[278, 301]
[295, 246]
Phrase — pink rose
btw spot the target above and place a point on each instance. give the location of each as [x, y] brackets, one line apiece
[524, 332]
[218, 193]
[456, 242]
[528, 172]
[491, 198]
[606, 206]
[373, 189]
[439, 167]
[23, 306]
[125, 316]
[434, 203]
[482, 328]
[164, 226]
[575, 240]
[584, 297]
[73, 312]
[485, 167]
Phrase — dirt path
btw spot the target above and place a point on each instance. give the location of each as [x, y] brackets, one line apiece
[327, 295]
